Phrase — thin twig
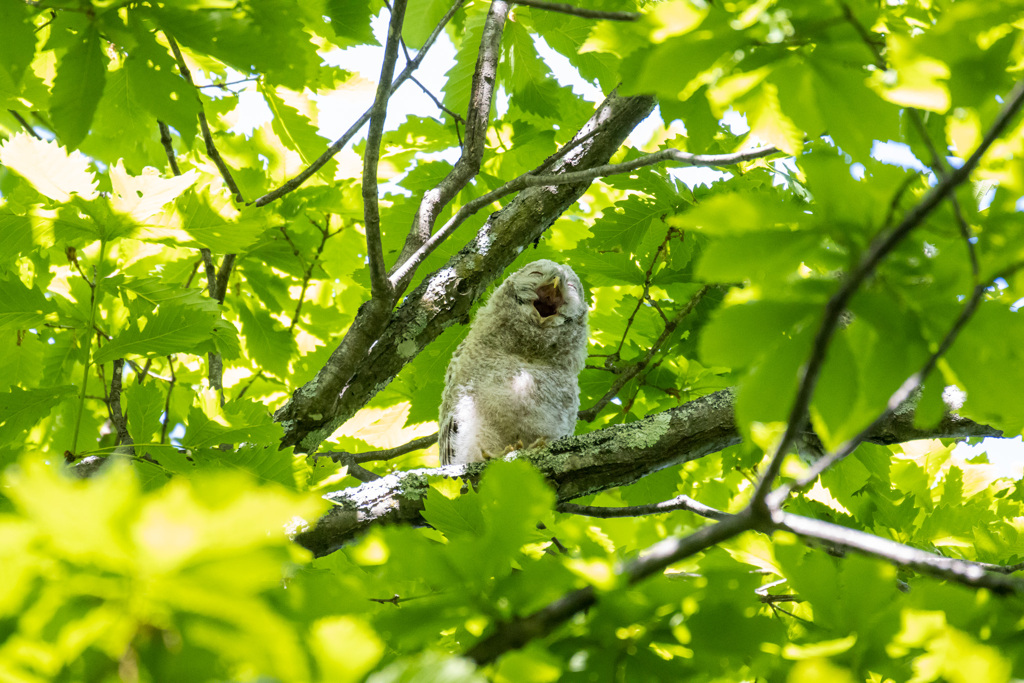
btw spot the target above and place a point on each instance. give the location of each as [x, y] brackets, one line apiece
[249, 384]
[440, 105]
[117, 416]
[24, 124]
[167, 401]
[961, 571]
[625, 376]
[572, 177]
[941, 170]
[879, 248]
[647, 289]
[361, 473]
[338, 144]
[166, 141]
[386, 454]
[211, 149]
[902, 394]
[681, 502]
[380, 286]
[580, 11]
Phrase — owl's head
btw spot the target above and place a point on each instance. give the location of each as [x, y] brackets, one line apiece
[550, 293]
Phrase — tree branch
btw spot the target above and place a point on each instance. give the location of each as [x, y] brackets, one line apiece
[906, 392]
[590, 413]
[518, 632]
[879, 248]
[24, 124]
[337, 145]
[581, 465]
[580, 11]
[211, 149]
[167, 142]
[386, 454]
[468, 165]
[117, 416]
[355, 372]
[680, 502]
[531, 179]
[379, 285]
[960, 571]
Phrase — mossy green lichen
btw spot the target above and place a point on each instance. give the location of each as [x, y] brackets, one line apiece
[647, 433]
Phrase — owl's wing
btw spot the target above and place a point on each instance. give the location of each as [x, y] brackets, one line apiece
[448, 425]
[446, 439]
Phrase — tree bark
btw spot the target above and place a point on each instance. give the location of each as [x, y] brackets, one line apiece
[445, 296]
[580, 465]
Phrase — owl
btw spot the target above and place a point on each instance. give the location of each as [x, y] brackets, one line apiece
[513, 381]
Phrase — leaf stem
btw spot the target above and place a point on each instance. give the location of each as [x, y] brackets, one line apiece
[93, 304]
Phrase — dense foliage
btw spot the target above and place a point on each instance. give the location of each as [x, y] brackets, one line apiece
[214, 309]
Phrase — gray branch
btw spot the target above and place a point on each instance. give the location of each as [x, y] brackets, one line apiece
[379, 284]
[880, 247]
[380, 342]
[337, 145]
[468, 165]
[581, 465]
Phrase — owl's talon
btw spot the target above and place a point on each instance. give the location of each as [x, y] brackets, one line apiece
[539, 443]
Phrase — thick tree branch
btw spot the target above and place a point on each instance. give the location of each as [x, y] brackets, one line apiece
[355, 371]
[338, 144]
[379, 285]
[468, 165]
[586, 464]
[579, 11]
[879, 248]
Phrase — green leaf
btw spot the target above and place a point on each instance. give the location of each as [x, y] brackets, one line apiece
[48, 167]
[77, 88]
[459, 78]
[421, 17]
[350, 19]
[145, 408]
[21, 408]
[173, 329]
[152, 80]
[914, 80]
[266, 342]
[21, 307]
[624, 227]
[238, 421]
[17, 40]
[297, 132]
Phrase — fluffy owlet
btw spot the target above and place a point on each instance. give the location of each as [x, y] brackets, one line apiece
[513, 380]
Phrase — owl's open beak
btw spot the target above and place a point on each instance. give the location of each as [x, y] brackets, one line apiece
[550, 296]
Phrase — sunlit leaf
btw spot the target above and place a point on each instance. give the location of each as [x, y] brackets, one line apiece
[49, 167]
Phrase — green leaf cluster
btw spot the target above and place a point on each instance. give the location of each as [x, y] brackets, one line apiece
[119, 341]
